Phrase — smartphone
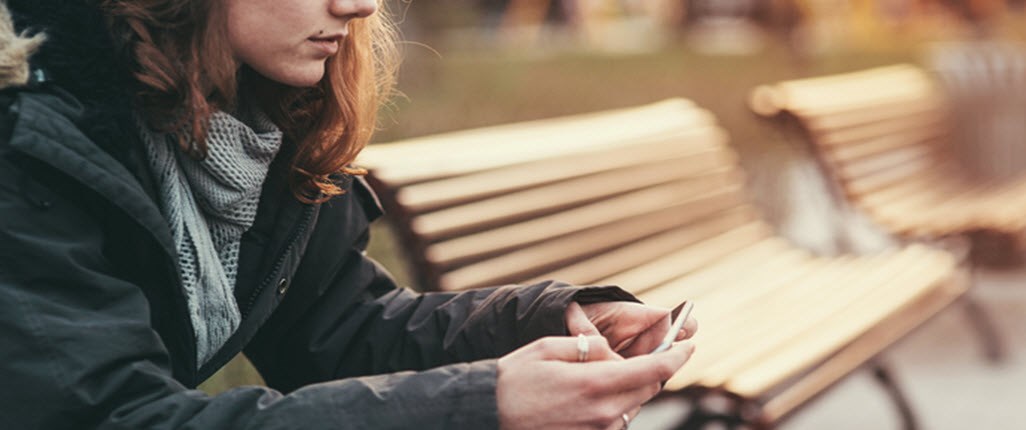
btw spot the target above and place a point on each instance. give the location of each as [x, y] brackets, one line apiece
[680, 315]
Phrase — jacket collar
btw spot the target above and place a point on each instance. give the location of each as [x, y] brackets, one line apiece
[46, 130]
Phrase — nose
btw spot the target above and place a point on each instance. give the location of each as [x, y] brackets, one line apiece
[353, 8]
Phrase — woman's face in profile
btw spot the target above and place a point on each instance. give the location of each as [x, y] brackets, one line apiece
[288, 41]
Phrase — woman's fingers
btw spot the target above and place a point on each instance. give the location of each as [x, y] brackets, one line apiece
[632, 414]
[572, 349]
[619, 423]
[689, 329]
[650, 338]
[543, 385]
[577, 322]
[637, 372]
[604, 411]
[628, 384]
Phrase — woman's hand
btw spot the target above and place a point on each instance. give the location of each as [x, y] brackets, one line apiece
[542, 386]
[631, 328]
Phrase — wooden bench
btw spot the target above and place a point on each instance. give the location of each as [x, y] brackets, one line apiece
[885, 137]
[653, 199]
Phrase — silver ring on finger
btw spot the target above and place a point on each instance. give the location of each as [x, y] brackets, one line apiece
[626, 421]
[582, 348]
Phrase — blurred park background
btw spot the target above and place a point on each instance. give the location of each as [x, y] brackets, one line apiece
[471, 63]
[487, 62]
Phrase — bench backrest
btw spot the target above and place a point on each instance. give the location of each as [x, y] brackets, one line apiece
[873, 129]
[579, 198]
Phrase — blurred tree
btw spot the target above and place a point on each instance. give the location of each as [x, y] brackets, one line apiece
[425, 20]
[784, 19]
[980, 14]
[588, 19]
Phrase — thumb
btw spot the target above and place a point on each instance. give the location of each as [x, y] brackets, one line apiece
[577, 321]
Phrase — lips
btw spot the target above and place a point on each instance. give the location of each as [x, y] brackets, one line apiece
[327, 45]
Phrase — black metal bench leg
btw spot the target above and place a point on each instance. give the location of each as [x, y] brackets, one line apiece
[883, 375]
[699, 419]
[713, 407]
[695, 421]
[990, 339]
[980, 320]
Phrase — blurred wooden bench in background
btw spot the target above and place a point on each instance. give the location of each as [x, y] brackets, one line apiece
[985, 80]
[885, 137]
[652, 199]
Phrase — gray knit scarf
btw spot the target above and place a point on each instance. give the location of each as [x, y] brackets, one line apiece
[209, 204]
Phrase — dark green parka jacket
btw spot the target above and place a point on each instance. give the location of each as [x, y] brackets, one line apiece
[94, 331]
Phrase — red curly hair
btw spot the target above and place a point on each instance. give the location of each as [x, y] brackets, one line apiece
[180, 56]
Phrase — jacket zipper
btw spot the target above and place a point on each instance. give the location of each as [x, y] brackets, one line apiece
[300, 228]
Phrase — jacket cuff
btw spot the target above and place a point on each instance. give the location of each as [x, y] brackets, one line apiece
[477, 407]
[589, 295]
[556, 298]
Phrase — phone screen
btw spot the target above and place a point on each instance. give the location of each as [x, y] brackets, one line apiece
[680, 315]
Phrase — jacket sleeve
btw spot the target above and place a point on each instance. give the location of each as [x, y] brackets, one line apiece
[356, 321]
[79, 352]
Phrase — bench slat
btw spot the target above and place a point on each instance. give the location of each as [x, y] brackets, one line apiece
[458, 153]
[878, 86]
[901, 158]
[685, 200]
[880, 145]
[680, 146]
[642, 221]
[751, 260]
[931, 123]
[685, 261]
[707, 171]
[604, 266]
[866, 184]
[911, 188]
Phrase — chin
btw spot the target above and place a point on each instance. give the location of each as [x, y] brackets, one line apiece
[299, 77]
[305, 80]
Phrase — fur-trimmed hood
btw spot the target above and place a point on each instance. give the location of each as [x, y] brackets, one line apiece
[66, 43]
[15, 50]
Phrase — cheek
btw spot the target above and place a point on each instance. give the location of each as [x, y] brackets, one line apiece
[276, 56]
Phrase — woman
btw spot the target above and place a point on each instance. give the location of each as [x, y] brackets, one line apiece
[174, 190]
